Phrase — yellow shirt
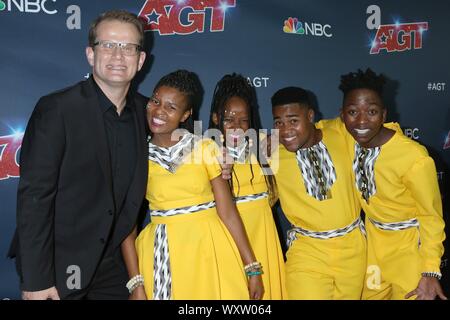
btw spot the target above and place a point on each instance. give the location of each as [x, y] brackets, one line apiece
[305, 211]
[406, 188]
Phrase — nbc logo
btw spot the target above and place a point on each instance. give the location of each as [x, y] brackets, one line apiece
[28, 6]
[292, 25]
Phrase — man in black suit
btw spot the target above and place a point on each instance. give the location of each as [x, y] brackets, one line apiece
[83, 170]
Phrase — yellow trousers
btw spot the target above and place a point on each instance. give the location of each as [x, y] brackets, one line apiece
[393, 263]
[326, 269]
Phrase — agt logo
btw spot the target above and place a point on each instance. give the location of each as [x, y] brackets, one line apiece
[447, 141]
[395, 37]
[292, 25]
[29, 6]
[184, 16]
[9, 148]
[436, 86]
[258, 82]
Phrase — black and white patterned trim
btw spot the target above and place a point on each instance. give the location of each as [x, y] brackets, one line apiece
[292, 233]
[251, 197]
[239, 153]
[319, 177]
[162, 278]
[396, 226]
[171, 158]
[182, 210]
[436, 275]
[363, 166]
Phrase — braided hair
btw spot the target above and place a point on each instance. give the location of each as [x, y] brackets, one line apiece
[235, 85]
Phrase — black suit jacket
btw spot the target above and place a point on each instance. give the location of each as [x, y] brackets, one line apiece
[65, 205]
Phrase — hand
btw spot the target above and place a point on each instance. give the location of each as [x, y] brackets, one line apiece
[255, 287]
[427, 289]
[138, 294]
[227, 165]
[47, 294]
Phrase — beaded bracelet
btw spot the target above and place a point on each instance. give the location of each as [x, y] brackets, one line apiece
[432, 275]
[252, 266]
[135, 282]
[253, 273]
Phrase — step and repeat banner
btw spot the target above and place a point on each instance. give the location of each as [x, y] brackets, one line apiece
[274, 43]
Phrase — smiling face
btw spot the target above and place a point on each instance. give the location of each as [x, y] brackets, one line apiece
[236, 118]
[166, 109]
[295, 124]
[363, 113]
[113, 69]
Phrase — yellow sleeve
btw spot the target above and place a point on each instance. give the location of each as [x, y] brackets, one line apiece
[421, 181]
[393, 126]
[324, 123]
[338, 126]
[210, 152]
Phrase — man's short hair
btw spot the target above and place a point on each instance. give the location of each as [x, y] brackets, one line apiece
[291, 95]
[116, 15]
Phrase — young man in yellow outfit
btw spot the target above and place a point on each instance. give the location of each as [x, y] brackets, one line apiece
[326, 258]
[398, 190]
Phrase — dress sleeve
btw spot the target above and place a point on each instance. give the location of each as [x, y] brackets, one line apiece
[210, 154]
[421, 181]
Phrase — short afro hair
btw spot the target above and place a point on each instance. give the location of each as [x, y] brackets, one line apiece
[362, 80]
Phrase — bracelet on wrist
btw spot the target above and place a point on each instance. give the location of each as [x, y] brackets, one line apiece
[253, 273]
[135, 282]
[436, 275]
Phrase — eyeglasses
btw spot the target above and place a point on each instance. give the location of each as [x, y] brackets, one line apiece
[127, 49]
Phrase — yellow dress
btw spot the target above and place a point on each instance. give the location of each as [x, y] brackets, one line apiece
[332, 268]
[198, 258]
[260, 226]
[406, 188]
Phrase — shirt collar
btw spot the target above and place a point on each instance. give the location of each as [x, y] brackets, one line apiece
[105, 103]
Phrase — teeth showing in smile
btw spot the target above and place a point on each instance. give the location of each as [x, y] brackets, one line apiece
[361, 131]
[289, 139]
[116, 67]
[158, 121]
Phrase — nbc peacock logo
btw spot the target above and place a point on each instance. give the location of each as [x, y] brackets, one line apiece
[292, 25]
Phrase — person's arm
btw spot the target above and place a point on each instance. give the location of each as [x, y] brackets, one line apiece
[41, 156]
[226, 163]
[131, 261]
[230, 217]
[421, 181]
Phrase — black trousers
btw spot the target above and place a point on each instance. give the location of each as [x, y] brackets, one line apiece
[108, 282]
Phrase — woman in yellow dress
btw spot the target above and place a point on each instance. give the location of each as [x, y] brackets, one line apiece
[234, 113]
[195, 246]
[397, 184]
